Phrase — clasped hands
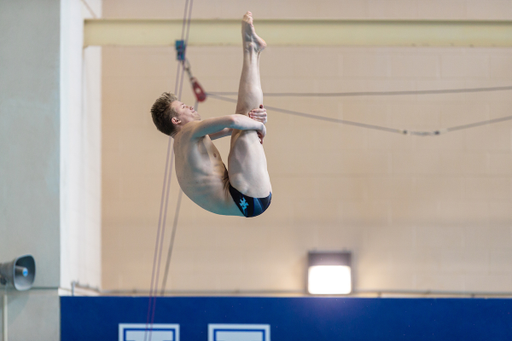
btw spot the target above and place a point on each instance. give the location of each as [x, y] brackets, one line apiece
[260, 115]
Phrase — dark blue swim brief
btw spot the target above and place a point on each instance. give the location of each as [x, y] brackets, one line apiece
[250, 207]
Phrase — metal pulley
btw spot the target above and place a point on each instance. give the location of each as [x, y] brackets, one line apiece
[181, 47]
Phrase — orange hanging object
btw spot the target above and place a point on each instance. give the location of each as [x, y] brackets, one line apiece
[198, 90]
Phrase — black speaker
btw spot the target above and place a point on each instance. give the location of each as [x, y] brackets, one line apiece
[21, 272]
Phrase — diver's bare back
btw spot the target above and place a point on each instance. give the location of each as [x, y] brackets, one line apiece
[201, 172]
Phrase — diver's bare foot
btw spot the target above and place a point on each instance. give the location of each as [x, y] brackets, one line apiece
[249, 36]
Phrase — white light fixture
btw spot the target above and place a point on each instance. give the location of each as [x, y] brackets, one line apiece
[329, 273]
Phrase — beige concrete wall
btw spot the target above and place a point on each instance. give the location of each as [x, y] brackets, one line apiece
[345, 9]
[419, 213]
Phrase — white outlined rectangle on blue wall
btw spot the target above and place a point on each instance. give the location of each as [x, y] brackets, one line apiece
[238, 332]
[159, 332]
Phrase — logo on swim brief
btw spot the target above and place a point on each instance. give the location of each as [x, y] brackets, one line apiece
[243, 204]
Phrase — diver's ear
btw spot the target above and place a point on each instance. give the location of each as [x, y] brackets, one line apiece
[175, 120]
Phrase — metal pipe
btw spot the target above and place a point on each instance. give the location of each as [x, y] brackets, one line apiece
[356, 293]
[4, 315]
[306, 32]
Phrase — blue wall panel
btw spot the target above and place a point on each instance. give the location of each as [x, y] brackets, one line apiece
[305, 318]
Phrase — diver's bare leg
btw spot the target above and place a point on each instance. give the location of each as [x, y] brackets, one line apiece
[250, 95]
[247, 164]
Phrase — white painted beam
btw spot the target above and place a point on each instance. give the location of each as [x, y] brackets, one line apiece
[137, 32]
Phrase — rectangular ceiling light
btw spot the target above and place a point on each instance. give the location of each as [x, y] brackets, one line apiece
[329, 273]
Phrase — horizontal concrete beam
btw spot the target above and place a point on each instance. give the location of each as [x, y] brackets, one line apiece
[138, 32]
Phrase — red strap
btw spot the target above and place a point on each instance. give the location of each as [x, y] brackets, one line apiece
[198, 90]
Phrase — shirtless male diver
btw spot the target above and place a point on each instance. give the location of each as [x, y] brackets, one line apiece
[244, 188]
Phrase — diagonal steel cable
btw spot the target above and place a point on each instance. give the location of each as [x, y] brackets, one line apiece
[166, 188]
[374, 93]
[373, 126]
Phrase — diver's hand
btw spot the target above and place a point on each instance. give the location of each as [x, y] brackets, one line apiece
[262, 133]
[259, 114]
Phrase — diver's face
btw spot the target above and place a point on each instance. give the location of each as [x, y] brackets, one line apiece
[185, 113]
